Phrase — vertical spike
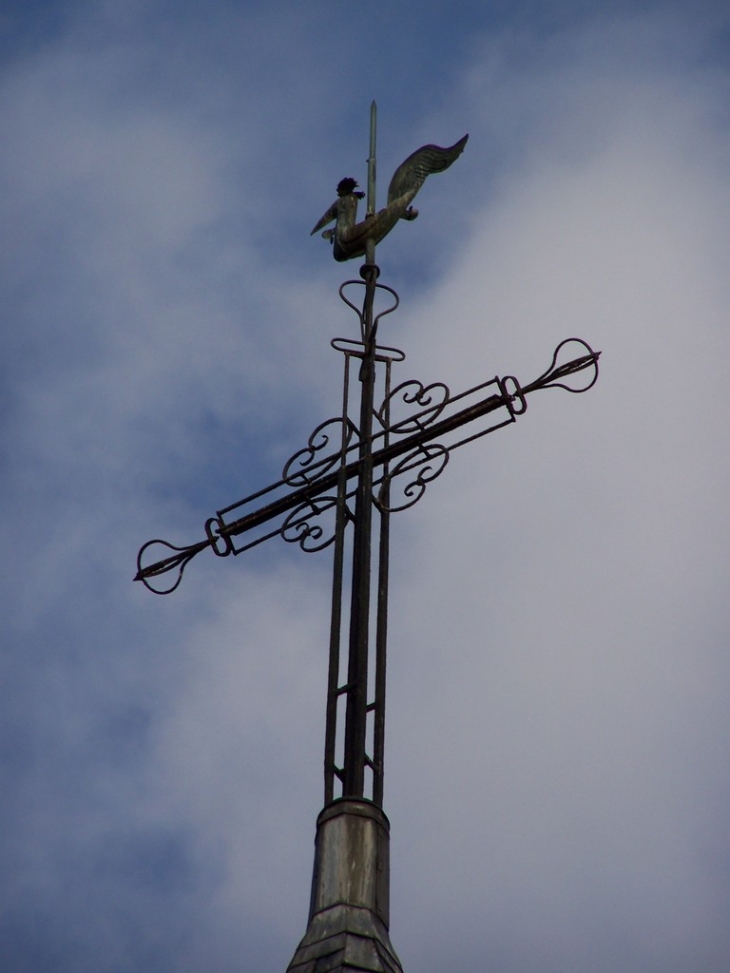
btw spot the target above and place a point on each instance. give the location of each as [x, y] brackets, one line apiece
[371, 159]
[370, 245]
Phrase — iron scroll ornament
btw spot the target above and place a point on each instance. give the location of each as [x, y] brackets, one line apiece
[291, 513]
[303, 467]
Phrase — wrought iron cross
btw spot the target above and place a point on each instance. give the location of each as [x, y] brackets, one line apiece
[374, 459]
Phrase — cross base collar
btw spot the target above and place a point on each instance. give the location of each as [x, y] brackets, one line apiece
[349, 911]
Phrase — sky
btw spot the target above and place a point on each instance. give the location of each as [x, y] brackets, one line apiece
[557, 774]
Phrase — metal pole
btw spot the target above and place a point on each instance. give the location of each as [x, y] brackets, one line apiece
[353, 784]
[370, 244]
[381, 632]
[357, 674]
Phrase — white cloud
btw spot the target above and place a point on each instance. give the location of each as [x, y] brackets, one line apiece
[562, 610]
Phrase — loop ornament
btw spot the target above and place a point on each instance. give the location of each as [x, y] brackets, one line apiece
[513, 395]
[300, 527]
[430, 459]
[361, 313]
[430, 399]
[180, 560]
[383, 353]
[221, 543]
[554, 373]
[319, 440]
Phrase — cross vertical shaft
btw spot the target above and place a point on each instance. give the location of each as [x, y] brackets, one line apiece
[359, 640]
[358, 706]
[362, 499]
[349, 915]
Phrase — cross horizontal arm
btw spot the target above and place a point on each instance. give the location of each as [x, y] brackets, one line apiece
[402, 442]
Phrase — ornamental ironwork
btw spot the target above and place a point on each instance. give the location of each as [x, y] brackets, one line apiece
[379, 456]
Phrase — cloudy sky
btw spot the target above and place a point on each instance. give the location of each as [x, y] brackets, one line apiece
[557, 772]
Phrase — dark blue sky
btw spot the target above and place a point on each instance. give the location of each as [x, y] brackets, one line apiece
[556, 766]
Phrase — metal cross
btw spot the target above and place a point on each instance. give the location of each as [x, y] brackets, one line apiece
[376, 458]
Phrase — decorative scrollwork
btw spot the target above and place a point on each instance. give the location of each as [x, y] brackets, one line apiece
[429, 400]
[429, 459]
[551, 377]
[406, 452]
[309, 471]
[301, 526]
[366, 269]
[220, 542]
[179, 559]
[514, 398]
[382, 353]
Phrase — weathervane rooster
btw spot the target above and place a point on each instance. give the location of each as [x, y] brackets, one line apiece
[350, 238]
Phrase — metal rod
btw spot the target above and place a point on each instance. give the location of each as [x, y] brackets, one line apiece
[333, 678]
[381, 625]
[390, 452]
[357, 674]
[370, 244]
